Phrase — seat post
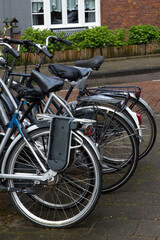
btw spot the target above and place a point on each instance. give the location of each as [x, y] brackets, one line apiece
[66, 98]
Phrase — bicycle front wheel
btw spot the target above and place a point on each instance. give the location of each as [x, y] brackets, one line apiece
[66, 200]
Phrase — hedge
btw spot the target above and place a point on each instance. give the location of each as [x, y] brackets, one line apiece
[97, 37]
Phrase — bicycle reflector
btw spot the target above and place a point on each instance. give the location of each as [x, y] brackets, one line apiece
[139, 118]
[87, 129]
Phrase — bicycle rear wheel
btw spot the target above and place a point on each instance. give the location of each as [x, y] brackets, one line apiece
[116, 139]
[66, 200]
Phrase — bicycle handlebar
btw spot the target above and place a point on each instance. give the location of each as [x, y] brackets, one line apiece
[54, 39]
[9, 49]
[27, 44]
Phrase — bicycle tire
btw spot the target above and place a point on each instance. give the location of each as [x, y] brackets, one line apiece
[149, 129]
[44, 215]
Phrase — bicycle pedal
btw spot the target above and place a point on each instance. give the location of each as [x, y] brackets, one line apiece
[17, 190]
[20, 190]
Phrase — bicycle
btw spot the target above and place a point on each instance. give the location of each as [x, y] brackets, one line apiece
[48, 192]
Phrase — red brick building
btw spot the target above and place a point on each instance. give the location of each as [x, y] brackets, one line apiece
[124, 13]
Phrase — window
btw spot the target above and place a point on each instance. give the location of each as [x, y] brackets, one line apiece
[65, 13]
[72, 11]
[38, 12]
[89, 10]
[56, 11]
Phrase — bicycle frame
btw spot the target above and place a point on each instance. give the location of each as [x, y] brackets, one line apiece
[15, 122]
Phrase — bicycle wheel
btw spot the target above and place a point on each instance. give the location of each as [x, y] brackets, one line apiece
[117, 142]
[149, 130]
[66, 200]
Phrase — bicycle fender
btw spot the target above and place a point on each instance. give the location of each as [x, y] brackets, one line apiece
[141, 100]
[7, 102]
[14, 142]
[133, 115]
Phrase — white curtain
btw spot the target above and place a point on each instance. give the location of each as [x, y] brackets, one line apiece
[72, 5]
[56, 5]
[89, 4]
[37, 6]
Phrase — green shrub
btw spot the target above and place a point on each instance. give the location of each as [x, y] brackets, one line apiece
[143, 34]
[39, 36]
[120, 37]
[97, 37]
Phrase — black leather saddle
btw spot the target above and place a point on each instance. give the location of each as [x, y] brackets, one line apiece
[93, 63]
[70, 73]
[47, 84]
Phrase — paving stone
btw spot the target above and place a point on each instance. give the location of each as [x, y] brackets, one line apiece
[108, 211]
[155, 198]
[140, 198]
[30, 236]
[115, 226]
[148, 228]
[142, 212]
[83, 236]
[119, 237]
[150, 186]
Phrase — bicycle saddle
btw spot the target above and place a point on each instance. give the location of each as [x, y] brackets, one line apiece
[47, 84]
[93, 63]
[70, 73]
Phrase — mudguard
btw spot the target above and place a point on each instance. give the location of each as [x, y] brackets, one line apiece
[14, 142]
[143, 102]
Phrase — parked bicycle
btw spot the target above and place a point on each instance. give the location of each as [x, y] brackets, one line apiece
[51, 188]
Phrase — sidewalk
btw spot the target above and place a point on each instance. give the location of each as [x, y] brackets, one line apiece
[129, 66]
[114, 68]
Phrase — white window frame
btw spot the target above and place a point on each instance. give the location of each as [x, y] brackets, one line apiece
[81, 23]
[36, 13]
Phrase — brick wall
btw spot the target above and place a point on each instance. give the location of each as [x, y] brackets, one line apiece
[124, 13]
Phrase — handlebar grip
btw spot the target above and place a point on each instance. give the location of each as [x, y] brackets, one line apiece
[54, 39]
[13, 52]
[49, 55]
[67, 42]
